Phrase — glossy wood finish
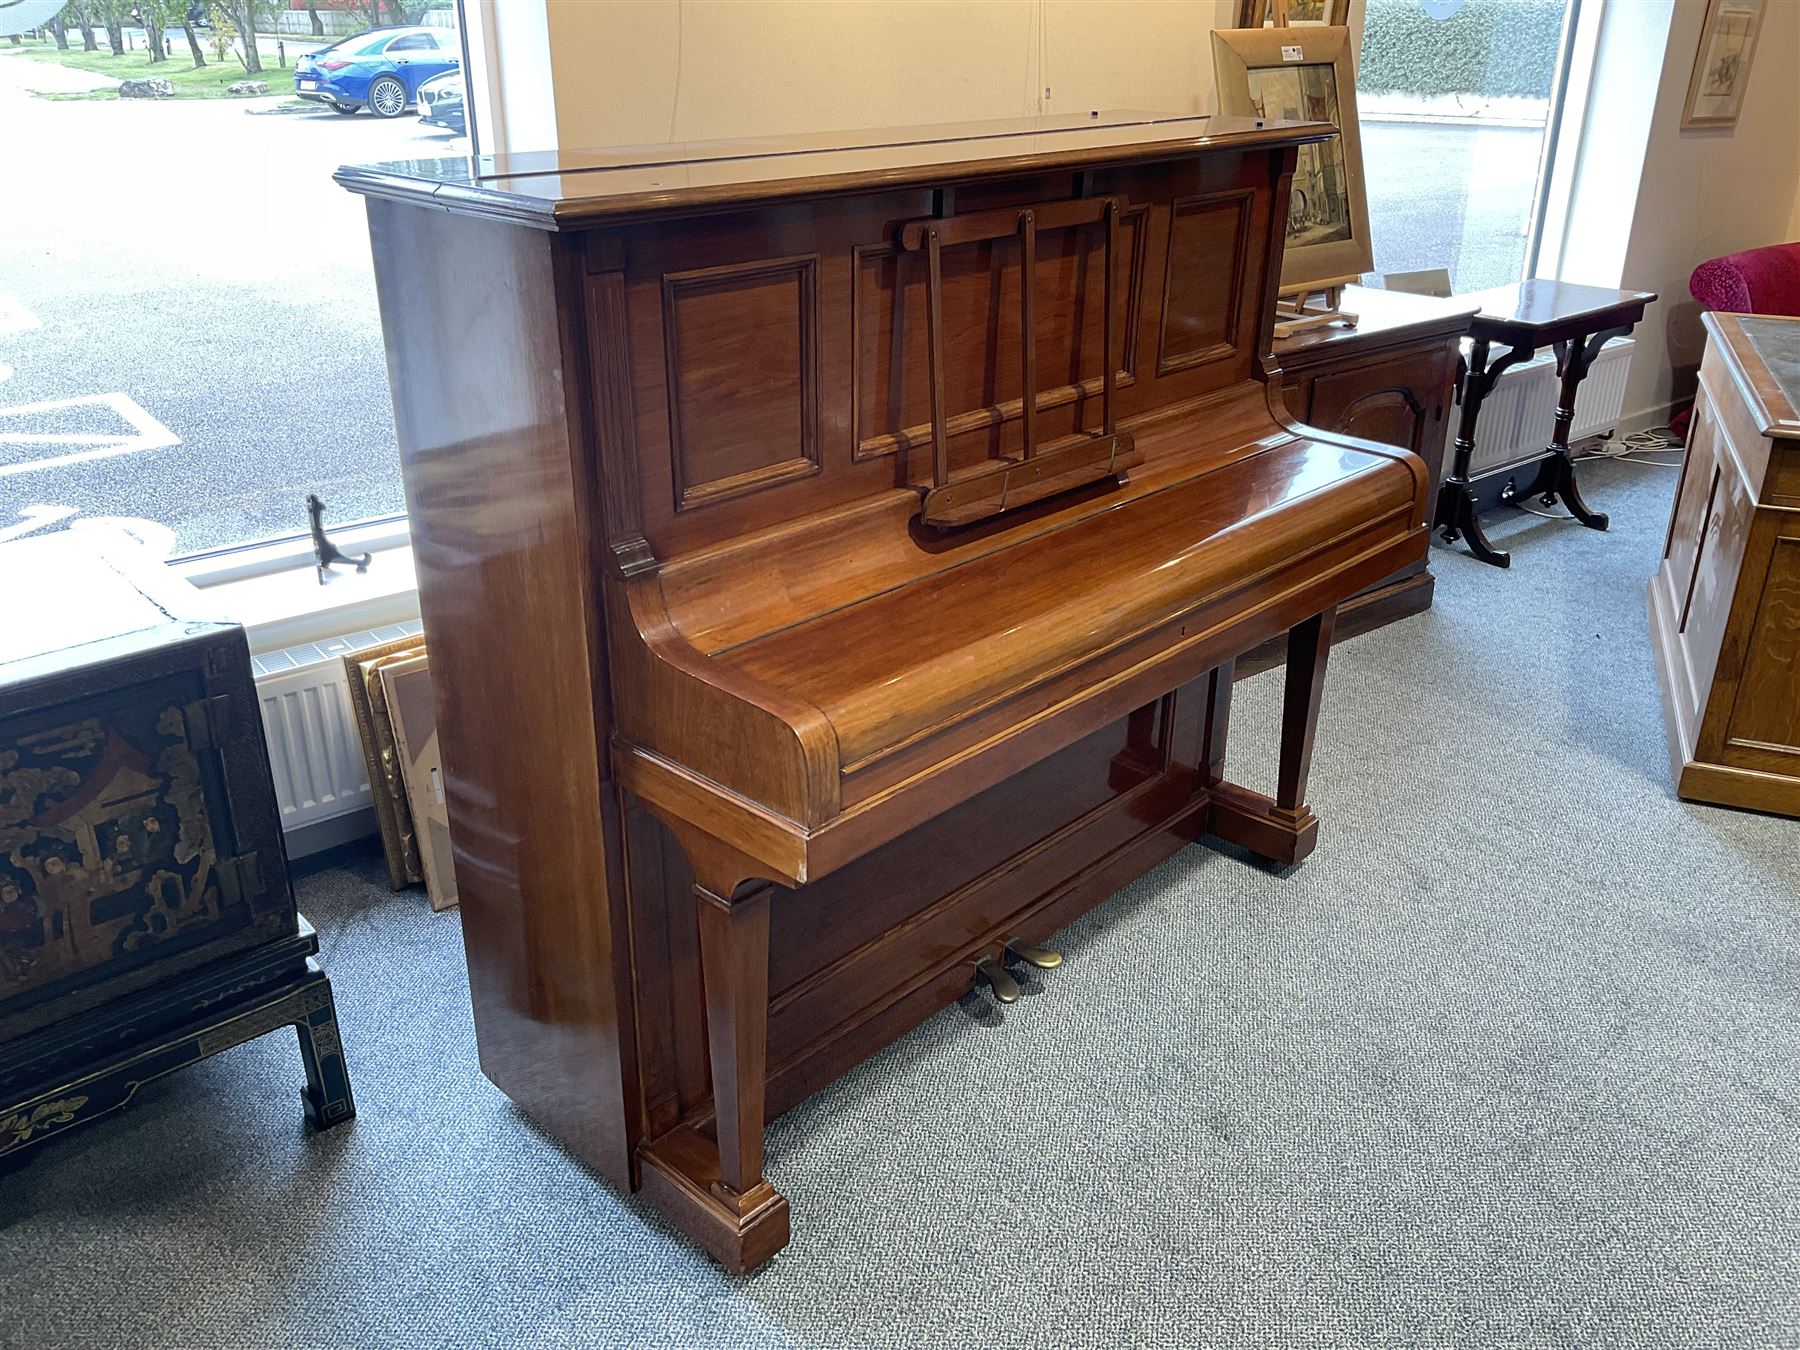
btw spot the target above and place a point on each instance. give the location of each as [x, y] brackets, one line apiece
[1725, 604]
[1392, 379]
[780, 761]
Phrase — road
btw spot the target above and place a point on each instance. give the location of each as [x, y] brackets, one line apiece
[1450, 196]
[193, 259]
[205, 321]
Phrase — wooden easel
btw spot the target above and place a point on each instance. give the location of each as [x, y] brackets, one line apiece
[1313, 305]
[1317, 303]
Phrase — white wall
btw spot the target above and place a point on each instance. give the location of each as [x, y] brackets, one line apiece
[1705, 193]
[624, 72]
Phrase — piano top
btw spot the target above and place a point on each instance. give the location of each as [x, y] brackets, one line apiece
[559, 189]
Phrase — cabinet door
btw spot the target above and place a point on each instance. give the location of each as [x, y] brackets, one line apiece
[1392, 401]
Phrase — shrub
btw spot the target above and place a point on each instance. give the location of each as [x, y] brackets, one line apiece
[1493, 48]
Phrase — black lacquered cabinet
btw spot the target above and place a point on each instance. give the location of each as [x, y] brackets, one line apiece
[146, 920]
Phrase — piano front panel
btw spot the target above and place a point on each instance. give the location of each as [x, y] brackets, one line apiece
[776, 361]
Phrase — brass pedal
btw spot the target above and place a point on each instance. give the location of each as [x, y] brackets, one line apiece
[1041, 957]
[1005, 987]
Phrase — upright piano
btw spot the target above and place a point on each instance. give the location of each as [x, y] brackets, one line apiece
[833, 551]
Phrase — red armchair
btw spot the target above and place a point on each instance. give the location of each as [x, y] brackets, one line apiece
[1756, 281]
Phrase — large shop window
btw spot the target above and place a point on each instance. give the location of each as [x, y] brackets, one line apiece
[188, 330]
[1458, 101]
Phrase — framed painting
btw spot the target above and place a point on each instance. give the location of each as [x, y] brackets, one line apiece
[1300, 13]
[1722, 63]
[1306, 75]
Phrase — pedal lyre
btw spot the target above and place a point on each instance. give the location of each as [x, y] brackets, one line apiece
[1005, 987]
[1041, 957]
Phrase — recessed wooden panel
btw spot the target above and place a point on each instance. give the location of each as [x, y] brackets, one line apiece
[983, 388]
[1203, 282]
[741, 343]
[1766, 717]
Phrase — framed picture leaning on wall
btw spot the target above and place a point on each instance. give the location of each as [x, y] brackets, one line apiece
[1306, 75]
[1722, 63]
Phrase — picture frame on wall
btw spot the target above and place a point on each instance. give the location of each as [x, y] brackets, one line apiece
[1721, 71]
[1300, 13]
[1306, 75]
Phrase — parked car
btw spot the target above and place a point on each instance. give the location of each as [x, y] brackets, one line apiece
[441, 103]
[380, 70]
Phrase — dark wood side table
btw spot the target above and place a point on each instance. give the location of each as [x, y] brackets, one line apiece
[1391, 379]
[1524, 317]
[146, 919]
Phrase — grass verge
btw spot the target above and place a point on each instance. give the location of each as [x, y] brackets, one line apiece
[210, 81]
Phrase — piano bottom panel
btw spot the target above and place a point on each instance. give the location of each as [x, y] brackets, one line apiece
[872, 949]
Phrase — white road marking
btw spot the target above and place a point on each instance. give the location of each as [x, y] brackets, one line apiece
[6, 372]
[36, 517]
[146, 432]
[15, 318]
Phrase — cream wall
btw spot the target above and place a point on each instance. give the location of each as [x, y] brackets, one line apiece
[1704, 193]
[638, 71]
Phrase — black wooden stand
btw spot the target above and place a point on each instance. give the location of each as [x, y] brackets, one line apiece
[90, 1066]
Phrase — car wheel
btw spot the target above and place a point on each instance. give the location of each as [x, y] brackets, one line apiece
[387, 97]
[349, 111]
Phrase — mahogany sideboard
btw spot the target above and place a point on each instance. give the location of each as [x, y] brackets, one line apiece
[1725, 603]
[1391, 378]
[834, 551]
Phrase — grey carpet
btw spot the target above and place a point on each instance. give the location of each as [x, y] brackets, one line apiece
[1511, 1060]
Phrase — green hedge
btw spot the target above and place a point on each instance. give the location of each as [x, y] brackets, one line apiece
[1488, 47]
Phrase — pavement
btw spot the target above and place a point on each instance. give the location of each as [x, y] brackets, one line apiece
[188, 330]
[187, 312]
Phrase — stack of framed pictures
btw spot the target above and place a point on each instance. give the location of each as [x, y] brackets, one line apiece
[396, 718]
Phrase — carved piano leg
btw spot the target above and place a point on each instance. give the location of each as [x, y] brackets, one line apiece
[719, 1197]
[1283, 829]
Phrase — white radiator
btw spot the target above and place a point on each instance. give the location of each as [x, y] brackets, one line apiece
[321, 784]
[1520, 414]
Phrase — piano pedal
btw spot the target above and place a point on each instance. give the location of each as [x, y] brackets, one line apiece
[1041, 957]
[1004, 987]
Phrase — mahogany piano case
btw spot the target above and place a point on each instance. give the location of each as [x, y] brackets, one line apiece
[833, 552]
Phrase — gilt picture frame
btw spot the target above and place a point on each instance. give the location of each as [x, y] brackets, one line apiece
[1721, 71]
[1300, 13]
[1307, 75]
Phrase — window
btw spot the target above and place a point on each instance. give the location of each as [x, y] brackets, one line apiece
[414, 42]
[1457, 100]
[189, 337]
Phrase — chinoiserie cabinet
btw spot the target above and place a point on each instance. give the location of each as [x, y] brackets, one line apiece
[1725, 603]
[146, 920]
[1392, 379]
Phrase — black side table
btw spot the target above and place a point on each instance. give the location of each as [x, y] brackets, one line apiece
[1577, 321]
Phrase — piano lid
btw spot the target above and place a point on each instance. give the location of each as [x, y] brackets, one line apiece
[555, 189]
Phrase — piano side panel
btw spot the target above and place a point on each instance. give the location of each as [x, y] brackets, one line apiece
[478, 343]
[889, 934]
[777, 358]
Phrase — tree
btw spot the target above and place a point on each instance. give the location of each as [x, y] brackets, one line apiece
[59, 30]
[312, 13]
[150, 15]
[112, 15]
[245, 16]
[85, 22]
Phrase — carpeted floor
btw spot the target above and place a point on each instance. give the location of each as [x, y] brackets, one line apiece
[1514, 1059]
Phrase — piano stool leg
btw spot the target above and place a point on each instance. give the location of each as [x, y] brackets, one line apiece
[1282, 829]
[718, 1195]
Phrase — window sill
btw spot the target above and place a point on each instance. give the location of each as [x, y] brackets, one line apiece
[281, 603]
